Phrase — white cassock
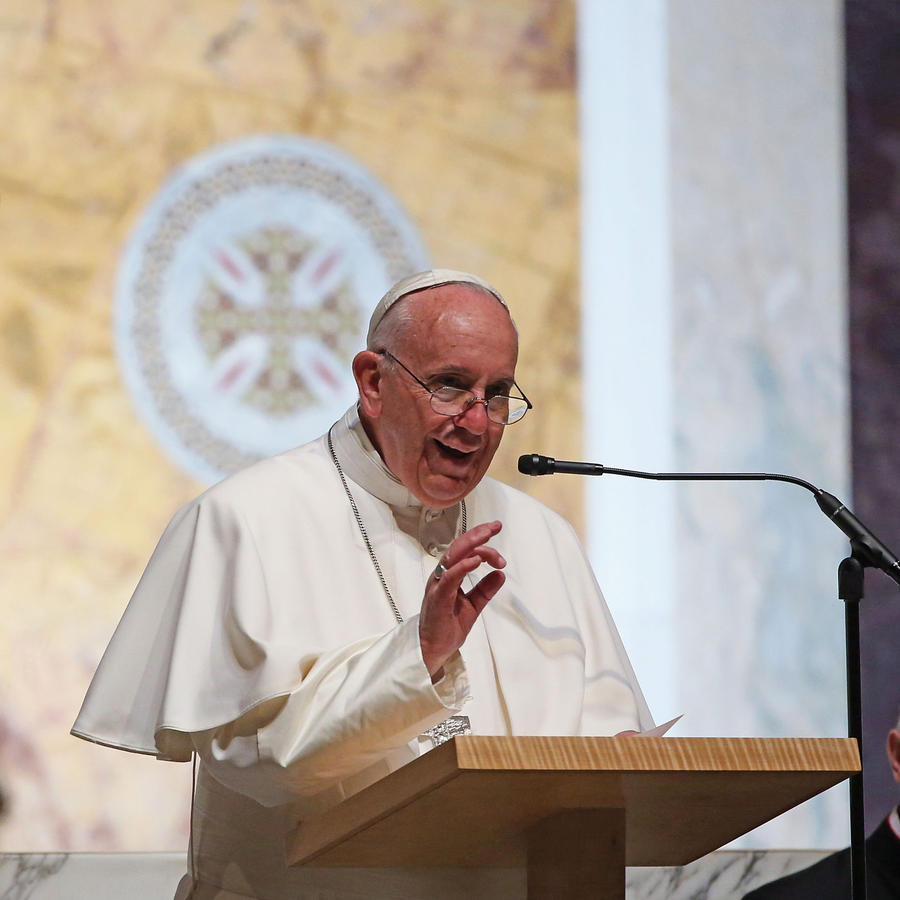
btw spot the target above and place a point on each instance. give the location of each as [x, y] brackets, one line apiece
[260, 636]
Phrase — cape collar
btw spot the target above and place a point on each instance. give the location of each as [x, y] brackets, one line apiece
[361, 462]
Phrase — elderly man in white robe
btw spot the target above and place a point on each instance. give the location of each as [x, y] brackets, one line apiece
[321, 618]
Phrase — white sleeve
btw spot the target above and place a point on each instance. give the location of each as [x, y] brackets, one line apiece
[354, 717]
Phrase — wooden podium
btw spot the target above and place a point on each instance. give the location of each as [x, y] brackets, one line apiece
[575, 811]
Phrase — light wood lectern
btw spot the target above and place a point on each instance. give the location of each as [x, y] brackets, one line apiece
[575, 811]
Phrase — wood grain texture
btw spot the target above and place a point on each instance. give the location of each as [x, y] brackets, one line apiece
[471, 801]
[654, 754]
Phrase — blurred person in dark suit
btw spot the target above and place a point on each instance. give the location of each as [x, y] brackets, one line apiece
[830, 877]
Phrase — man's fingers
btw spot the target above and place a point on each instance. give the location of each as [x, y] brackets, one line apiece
[452, 576]
[474, 544]
[481, 594]
[469, 541]
[491, 555]
[476, 557]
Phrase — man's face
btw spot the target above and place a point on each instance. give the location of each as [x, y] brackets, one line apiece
[893, 749]
[459, 336]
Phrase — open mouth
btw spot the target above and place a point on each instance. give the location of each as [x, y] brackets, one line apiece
[452, 452]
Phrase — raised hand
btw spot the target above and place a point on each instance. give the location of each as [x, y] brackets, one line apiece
[448, 613]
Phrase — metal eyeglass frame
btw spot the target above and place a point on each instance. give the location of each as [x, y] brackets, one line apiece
[485, 401]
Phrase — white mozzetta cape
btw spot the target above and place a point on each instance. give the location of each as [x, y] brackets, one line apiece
[260, 636]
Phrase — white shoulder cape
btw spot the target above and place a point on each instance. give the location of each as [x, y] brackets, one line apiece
[265, 572]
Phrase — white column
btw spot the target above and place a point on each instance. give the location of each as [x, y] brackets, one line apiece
[625, 270]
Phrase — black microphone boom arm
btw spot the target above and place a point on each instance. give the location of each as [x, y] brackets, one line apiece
[874, 553]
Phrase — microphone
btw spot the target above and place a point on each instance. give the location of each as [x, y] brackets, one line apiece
[534, 464]
[874, 553]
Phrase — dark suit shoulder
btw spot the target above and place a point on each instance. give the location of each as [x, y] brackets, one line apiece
[883, 861]
[830, 877]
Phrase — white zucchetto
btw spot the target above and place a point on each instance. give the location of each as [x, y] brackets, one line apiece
[419, 282]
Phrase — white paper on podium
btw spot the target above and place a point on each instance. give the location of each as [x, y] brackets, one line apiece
[660, 730]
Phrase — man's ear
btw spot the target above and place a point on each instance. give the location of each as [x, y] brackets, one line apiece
[893, 751]
[367, 372]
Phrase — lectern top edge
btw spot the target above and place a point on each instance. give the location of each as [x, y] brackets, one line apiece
[663, 754]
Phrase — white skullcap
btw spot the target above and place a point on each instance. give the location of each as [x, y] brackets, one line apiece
[419, 282]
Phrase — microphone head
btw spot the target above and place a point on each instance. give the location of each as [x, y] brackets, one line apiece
[534, 464]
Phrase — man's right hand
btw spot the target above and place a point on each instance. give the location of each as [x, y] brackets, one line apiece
[448, 613]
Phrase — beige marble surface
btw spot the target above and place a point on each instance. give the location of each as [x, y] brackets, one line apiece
[465, 110]
[724, 875]
[760, 373]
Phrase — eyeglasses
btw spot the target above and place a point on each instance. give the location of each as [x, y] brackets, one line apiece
[451, 401]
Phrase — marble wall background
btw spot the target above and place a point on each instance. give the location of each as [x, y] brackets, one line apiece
[758, 339]
[760, 371]
[723, 176]
[465, 110]
[773, 340]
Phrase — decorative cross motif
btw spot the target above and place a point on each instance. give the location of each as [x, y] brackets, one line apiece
[277, 320]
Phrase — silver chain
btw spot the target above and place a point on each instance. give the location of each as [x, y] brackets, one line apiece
[454, 725]
[365, 536]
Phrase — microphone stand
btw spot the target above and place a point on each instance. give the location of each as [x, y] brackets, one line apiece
[851, 577]
[866, 552]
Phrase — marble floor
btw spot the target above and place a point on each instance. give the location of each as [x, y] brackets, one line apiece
[722, 875]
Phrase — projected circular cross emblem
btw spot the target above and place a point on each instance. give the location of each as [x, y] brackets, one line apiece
[244, 292]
